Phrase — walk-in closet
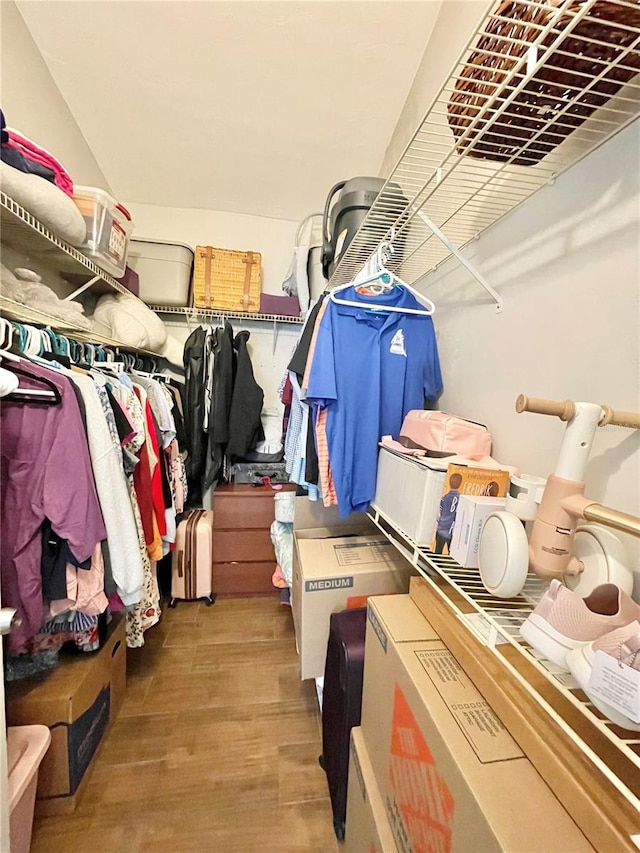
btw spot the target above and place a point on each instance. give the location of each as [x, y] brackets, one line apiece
[320, 426]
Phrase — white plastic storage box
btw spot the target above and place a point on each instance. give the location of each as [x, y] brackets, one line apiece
[408, 492]
[165, 271]
[109, 229]
[285, 506]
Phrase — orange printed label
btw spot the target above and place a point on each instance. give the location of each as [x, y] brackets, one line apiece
[354, 601]
[423, 807]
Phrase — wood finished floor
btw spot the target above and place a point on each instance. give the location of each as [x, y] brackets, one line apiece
[216, 746]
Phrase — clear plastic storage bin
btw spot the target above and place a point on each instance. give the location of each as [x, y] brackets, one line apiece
[109, 229]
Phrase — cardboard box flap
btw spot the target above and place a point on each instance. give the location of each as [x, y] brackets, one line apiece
[392, 617]
[357, 529]
[347, 555]
[312, 514]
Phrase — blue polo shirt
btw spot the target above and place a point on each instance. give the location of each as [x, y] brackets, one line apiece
[369, 369]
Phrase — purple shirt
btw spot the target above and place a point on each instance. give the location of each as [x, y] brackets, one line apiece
[45, 473]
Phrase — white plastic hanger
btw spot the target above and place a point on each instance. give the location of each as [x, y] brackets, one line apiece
[30, 394]
[391, 279]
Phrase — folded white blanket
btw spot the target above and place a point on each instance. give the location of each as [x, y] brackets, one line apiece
[46, 202]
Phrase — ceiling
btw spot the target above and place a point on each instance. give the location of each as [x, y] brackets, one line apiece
[249, 107]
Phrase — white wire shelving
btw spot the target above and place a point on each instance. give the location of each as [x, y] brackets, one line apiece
[20, 230]
[13, 310]
[501, 621]
[219, 313]
[537, 88]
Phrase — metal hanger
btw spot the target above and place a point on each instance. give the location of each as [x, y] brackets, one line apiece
[391, 280]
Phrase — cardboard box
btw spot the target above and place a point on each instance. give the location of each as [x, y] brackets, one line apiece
[408, 492]
[367, 829]
[78, 700]
[313, 515]
[451, 776]
[530, 705]
[328, 569]
[473, 511]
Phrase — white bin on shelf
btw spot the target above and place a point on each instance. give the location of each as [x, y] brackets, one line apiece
[26, 746]
[165, 271]
[408, 492]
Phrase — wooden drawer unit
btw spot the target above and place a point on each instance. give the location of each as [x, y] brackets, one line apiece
[243, 556]
[244, 507]
[242, 546]
[243, 578]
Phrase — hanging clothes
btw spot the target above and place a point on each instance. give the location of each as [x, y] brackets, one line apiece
[224, 373]
[111, 485]
[194, 411]
[245, 426]
[369, 369]
[46, 474]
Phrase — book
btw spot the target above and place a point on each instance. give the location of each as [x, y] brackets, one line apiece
[464, 480]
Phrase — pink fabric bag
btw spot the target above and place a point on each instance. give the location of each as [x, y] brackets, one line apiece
[440, 434]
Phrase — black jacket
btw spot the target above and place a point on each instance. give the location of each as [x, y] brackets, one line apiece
[245, 426]
[224, 371]
[194, 413]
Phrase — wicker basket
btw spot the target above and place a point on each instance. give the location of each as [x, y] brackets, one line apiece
[542, 102]
[227, 279]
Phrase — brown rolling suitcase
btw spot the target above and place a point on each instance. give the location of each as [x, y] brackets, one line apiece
[192, 559]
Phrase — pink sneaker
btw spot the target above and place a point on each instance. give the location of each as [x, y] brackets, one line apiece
[563, 621]
[623, 645]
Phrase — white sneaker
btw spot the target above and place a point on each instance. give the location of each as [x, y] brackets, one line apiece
[563, 621]
[623, 645]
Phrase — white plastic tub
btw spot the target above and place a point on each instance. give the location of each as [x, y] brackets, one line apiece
[26, 746]
[408, 492]
[165, 271]
[285, 506]
[109, 229]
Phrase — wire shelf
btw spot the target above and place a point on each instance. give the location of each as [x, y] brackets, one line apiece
[503, 618]
[25, 314]
[500, 155]
[218, 313]
[22, 231]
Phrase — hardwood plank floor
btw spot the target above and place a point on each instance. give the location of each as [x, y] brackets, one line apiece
[216, 746]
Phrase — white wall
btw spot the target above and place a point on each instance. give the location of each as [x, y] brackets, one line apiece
[567, 263]
[273, 238]
[32, 102]
[456, 23]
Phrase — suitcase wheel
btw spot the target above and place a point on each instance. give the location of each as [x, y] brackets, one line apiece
[173, 602]
[339, 828]
[209, 600]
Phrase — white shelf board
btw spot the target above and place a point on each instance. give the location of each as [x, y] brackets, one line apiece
[22, 231]
[25, 314]
[218, 313]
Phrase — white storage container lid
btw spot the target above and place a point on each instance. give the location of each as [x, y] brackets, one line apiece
[162, 249]
[102, 197]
